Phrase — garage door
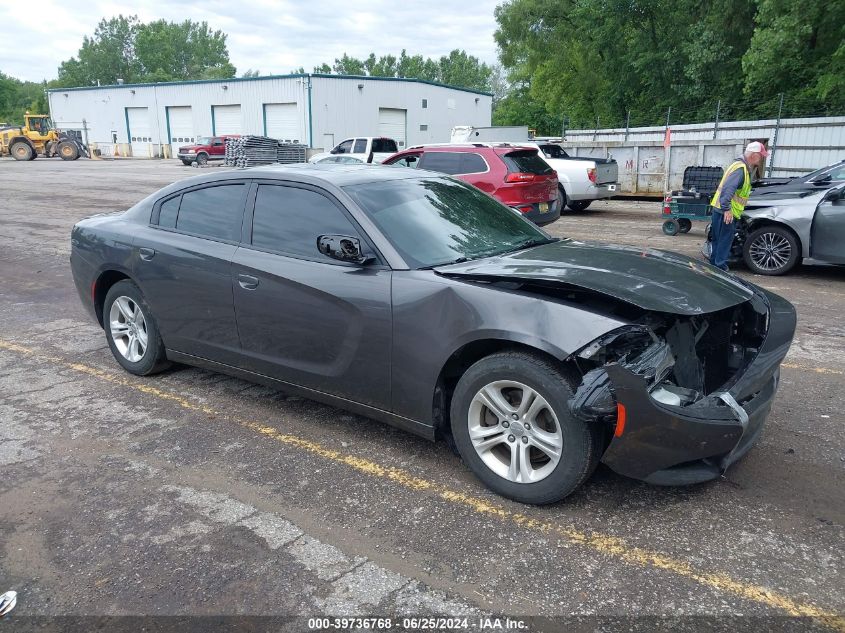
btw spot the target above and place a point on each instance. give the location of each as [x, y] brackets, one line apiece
[181, 125]
[139, 130]
[281, 122]
[391, 123]
[226, 119]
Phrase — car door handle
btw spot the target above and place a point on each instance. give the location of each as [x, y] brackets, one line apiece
[147, 253]
[248, 282]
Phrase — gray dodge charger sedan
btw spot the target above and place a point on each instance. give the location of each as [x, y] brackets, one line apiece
[417, 300]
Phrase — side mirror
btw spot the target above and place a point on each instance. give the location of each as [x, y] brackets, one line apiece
[832, 194]
[343, 248]
[335, 151]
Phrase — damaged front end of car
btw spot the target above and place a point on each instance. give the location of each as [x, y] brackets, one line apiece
[684, 396]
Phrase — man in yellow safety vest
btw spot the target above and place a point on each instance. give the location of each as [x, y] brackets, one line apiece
[729, 202]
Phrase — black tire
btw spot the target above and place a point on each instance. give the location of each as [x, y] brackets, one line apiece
[68, 150]
[671, 227]
[186, 163]
[21, 151]
[581, 443]
[154, 358]
[562, 198]
[202, 159]
[771, 250]
[685, 225]
[578, 205]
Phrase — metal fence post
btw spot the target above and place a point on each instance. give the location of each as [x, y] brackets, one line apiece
[770, 165]
[716, 124]
[627, 124]
[667, 154]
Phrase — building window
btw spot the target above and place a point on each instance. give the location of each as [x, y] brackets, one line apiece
[425, 103]
[423, 128]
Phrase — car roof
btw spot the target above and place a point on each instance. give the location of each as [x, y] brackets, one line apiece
[337, 174]
[498, 148]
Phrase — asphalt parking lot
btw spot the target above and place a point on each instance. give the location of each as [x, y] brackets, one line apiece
[193, 493]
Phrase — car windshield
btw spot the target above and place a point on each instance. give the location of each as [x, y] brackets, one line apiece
[820, 172]
[204, 140]
[435, 221]
[554, 151]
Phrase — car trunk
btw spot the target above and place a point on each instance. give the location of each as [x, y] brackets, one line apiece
[530, 175]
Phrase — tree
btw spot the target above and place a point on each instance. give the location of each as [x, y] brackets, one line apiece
[251, 73]
[124, 48]
[16, 97]
[347, 65]
[798, 49]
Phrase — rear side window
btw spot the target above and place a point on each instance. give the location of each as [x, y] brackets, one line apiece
[214, 212]
[169, 211]
[472, 164]
[526, 161]
[444, 162]
[360, 146]
[384, 145]
[289, 220]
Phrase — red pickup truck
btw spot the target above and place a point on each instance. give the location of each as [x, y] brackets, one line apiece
[205, 149]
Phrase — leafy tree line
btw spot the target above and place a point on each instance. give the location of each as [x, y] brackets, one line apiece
[455, 69]
[564, 63]
[588, 63]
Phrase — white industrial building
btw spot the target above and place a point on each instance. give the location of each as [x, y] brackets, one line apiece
[152, 120]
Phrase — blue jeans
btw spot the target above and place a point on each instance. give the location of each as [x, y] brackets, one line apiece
[723, 238]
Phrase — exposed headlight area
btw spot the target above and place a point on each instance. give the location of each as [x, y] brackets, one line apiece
[681, 359]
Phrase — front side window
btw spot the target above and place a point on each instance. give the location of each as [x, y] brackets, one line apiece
[204, 140]
[343, 148]
[554, 151]
[360, 146]
[433, 221]
[411, 160]
[215, 212]
[289, 220]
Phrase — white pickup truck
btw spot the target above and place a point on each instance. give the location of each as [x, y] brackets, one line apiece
[581, 179]
[369, 149]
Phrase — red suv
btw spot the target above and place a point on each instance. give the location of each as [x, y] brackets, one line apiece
[205, 149]
[514, 175]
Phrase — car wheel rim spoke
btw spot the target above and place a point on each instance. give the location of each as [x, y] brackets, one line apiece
[128, 328]
[770, 251]
[515, 432]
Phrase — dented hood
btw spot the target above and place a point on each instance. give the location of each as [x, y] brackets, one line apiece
[653, 280]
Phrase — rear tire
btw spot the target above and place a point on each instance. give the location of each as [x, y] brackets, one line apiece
[68, 150]
[539, 463]
[131, 330]
[578, 205]
[771, 250]
[685, 225]
[21, 151]
[563, 198]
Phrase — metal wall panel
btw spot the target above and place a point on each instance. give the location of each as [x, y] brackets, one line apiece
[338, 108]
[800, 145]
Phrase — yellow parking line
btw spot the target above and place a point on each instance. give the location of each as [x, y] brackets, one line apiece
[602, 543]
[818, 370]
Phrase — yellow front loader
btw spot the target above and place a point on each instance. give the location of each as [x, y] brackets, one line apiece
[38, 137]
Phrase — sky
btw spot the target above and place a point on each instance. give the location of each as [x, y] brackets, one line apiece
[272, 36]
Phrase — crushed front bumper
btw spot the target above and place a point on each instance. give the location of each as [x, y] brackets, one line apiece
[671, 445]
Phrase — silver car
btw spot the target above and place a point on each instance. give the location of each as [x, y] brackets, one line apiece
[776, 234]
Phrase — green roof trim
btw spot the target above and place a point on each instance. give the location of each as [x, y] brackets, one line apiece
[294, 76]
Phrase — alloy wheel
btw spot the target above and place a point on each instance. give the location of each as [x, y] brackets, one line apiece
[770, 251]
[128, 328]
[515, 431]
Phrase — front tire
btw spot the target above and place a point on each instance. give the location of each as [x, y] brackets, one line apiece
[186, 163]
[771, 250]
[68, 150]
[512, 426]
[202, 159]
[131, 330]
[564, 199]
